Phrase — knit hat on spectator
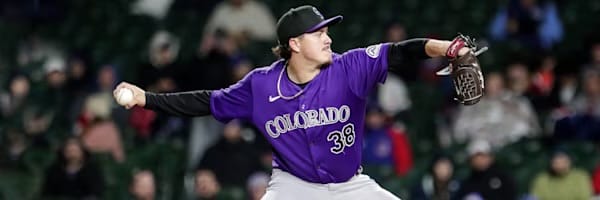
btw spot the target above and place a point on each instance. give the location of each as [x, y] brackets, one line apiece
[53, 64]
[479, 147]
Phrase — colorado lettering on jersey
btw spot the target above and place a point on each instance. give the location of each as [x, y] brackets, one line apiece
[306, 119]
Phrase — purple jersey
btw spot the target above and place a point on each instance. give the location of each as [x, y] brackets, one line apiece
[318, 135]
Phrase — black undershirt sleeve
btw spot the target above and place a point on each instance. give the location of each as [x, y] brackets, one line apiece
[404, 55]
[401, 56]
[186, 104]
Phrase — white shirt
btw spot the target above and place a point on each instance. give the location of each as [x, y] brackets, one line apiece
[252, 17]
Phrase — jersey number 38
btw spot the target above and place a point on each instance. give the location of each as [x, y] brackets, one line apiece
[342, 139]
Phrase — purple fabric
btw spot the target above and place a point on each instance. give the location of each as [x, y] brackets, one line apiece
[327, 22]
[317, 136]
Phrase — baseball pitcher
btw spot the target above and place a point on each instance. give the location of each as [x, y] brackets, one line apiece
[311, 103]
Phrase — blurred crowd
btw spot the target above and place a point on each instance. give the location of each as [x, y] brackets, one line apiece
[61, 128]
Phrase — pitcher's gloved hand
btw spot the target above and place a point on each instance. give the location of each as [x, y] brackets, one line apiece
[465, 70]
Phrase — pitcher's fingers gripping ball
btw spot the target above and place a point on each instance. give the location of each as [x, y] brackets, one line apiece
[129, 95]
[124, 96]
[465, 70]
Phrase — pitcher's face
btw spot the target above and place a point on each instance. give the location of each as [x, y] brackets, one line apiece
[315, 46]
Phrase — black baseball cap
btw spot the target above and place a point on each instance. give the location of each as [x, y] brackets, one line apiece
[300, 20]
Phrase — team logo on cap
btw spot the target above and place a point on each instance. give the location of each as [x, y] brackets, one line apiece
[318, 13]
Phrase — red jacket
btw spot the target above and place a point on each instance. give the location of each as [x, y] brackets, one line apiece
[401, 151]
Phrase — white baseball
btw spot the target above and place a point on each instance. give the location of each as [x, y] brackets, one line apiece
[124, 96]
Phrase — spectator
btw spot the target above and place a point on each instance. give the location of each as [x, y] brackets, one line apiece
[542, 83]
[79, 76]
[161, 68]
[33, 53]
[14, 147]
[564, 93]
[162, 73]
[243, 19]
[594, 62]
[56, 76]
[242, 158]
[529, 22]
[43, 115]
[164, 126]
[438, 184]
[221, 66]
[519, 79]
[164, 49]
[14, 102]
[543, 78]
[143, 186]
[73, 175]
[214, 69]
[157, 9]
[53, 96]
[534, 86]
[103, 136]
[499, 118]
[141, 121]
[79, 81]
[99, 104]
[561, 181]
[207, 187]
[588, 102]
[393, 96]
[486, 180]
[384, 144]
[395, 32]
[583, 119]
[95, 127]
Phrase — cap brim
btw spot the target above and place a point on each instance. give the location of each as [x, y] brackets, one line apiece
[324, 23]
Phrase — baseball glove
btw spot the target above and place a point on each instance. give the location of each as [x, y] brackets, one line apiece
[465, 70]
